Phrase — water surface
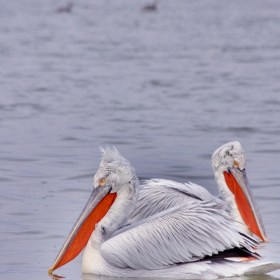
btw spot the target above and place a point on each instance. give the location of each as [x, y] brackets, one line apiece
[165, 88]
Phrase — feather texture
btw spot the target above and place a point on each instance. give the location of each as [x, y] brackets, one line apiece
[157, 195]
[181, 234]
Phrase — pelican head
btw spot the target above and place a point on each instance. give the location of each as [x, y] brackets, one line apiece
[115, 182]
[229, 155]
[229, 165]
[114, 171]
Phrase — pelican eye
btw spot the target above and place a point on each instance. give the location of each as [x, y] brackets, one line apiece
[235, 164]
[102, 181]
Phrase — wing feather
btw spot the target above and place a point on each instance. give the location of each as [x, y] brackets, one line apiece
[157, 195]
[183, 234]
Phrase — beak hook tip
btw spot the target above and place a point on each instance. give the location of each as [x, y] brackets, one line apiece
[50, 270]
[266, 239]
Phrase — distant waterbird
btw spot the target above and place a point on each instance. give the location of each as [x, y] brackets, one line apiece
[152, 7]
[65, 9]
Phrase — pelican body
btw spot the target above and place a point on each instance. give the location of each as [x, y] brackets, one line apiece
[229, 166]
[192, 240]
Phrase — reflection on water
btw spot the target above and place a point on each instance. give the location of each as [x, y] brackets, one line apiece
[247, 277]
[166, 88]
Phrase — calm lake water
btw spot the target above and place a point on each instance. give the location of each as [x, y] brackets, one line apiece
[166, 88]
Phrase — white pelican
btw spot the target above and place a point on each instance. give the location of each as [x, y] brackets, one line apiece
[228, 163]
[190, 241]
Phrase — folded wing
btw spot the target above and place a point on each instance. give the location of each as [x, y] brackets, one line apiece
[181, 234]
[157, 195]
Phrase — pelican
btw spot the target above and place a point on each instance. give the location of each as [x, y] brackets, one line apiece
[228, 163]
[191, 240]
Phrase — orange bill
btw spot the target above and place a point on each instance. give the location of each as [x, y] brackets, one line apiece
[239, 186]
[98, 205]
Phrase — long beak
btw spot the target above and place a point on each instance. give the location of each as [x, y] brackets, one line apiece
[96, 208]
[238, 184]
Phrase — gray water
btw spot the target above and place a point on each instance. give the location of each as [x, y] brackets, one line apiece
[166, 88]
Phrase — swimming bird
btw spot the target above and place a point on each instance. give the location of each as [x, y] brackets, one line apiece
[229, 165]
[152, 7]
[65, 9]
[190, 241]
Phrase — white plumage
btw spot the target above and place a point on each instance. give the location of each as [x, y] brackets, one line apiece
[190, 240]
